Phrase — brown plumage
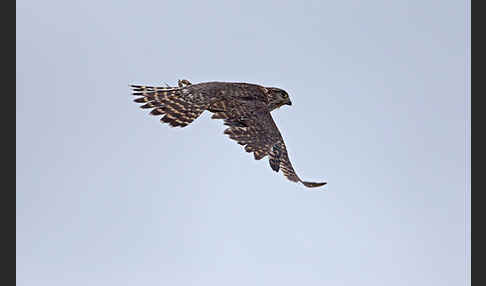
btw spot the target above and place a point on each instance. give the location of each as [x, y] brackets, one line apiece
[244, 107]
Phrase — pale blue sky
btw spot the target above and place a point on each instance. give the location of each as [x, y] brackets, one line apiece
[106, 195]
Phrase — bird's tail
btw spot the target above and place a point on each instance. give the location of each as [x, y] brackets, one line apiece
[171, 102]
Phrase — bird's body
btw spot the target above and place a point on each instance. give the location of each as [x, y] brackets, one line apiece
[244, 107]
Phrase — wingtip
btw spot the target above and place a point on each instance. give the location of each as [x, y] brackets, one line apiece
[313, 184]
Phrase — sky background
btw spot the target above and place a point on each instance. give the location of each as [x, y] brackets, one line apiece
[106, 195]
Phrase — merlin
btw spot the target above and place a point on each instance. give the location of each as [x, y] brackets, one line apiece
[244, 107]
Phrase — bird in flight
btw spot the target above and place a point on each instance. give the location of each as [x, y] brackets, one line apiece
[244, 107]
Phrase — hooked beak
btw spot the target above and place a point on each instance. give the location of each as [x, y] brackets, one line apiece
[289, 102]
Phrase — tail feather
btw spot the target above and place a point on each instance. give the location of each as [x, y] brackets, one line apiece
[177, 109]
[141, 100]
[144, 88]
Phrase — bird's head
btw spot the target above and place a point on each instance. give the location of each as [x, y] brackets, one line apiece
[277, 97]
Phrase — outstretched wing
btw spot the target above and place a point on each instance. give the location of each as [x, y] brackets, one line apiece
[279, 159]
[256, 130]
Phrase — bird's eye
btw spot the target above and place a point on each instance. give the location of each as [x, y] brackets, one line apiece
[284, 95]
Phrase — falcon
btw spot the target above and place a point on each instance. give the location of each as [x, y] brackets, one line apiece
[244, 107]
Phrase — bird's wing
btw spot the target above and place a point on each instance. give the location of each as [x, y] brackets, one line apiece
[256, 130]
[279, 159]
